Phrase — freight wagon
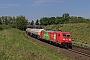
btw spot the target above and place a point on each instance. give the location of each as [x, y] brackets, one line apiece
[58, 37]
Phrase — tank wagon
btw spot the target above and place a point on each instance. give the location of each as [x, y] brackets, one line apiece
[34, 32]
[57, 37]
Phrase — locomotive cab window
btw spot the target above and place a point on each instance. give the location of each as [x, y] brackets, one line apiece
[66, 35]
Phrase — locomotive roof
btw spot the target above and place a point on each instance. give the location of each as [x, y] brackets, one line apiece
[50, 31]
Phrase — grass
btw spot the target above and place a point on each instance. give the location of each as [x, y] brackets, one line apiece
[15, 46]
[80, 32]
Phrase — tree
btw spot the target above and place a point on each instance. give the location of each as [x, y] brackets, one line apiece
[3, 20]
[0, 21]
[6, 21]
[59, 20]
[81, 20]
[65, 17]
[29, 23]
[32, 22]
[52, 20]
[37, 22]
[10, 19]
[21, 22]
[45, 21]
[73, 19]
[13, 22]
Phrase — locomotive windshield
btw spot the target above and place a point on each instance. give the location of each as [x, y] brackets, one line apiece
[66, 35]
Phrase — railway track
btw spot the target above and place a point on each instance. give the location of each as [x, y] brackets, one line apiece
[76, 53]
[80, 52]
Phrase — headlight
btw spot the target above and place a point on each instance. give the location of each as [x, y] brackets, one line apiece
[69, 39]
[63, 39]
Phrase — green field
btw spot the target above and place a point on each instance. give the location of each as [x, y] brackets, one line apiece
[15, 46]
[80, 32]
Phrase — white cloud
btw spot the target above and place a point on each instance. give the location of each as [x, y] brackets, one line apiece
[8, 5]
[44, 2]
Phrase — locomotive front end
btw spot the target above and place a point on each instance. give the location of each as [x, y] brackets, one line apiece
[64, 39]
[67, 41]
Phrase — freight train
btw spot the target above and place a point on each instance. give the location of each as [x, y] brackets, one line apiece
[60, 38]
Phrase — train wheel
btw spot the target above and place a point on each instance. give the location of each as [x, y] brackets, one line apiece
[70, 45]
[38, 37]
[66, 46]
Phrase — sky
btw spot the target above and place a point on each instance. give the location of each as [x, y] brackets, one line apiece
[36, 9]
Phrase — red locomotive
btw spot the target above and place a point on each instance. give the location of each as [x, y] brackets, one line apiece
[57, 37]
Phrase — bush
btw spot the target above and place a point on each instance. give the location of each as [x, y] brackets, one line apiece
[2, 27]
